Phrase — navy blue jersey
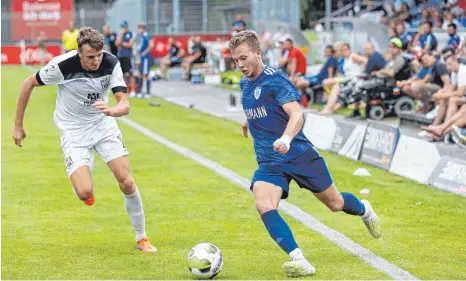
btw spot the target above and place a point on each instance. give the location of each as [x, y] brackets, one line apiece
[145, 43]
[454, 41]
[126, 52]
[262, 100]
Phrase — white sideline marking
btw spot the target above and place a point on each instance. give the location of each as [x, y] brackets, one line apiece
[334, 236]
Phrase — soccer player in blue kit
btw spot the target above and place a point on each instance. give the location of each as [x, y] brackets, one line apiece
[145, 58]
[283, 153]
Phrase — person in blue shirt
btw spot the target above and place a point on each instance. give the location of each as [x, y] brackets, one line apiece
[239, 24]
[275, 121]
[423, 76]
[426, 39]
[145, 60]
[124, 43]
[404, 36]
[454, 40]
[327, 71]
[375, 60]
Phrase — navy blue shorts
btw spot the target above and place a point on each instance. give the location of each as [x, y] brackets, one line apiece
[174, 61]
[314, 80]
[144, 67]
[309, 171]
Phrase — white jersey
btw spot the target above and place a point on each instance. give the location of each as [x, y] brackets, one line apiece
[351, 68]
[78, 89]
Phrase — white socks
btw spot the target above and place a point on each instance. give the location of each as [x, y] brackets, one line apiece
[135, 211]
[297, 254]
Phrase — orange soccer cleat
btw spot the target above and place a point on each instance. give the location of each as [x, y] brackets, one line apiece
[145, 245]
[90, 201]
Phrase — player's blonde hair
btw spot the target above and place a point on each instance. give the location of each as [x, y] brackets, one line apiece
[248, 36]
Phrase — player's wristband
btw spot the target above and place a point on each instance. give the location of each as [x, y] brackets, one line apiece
[285, 140]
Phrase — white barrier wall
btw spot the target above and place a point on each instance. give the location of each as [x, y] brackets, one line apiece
[415, 159]
[382, 146]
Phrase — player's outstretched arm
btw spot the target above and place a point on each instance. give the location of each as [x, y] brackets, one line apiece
[120, 109]
[294, 126]
[24, 94]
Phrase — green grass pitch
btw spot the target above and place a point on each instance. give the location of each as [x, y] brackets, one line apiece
[47, 233]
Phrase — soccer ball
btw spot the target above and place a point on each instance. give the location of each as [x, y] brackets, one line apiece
[205, 261]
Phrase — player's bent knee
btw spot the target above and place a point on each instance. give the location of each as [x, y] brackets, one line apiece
[127, 184]
[84, 193]
[263, 206]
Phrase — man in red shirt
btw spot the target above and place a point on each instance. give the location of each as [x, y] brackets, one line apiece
[296, 63]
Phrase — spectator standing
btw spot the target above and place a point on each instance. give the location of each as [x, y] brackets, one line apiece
[70, 38]
[110, 39]
[42, 48]
[124, 43]
[145, 60]
[239, 24]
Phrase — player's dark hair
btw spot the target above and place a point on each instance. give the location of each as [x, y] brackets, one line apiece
[330, 47]
[347, 45]
[289, 40]
[447, 50]
[429, 23]
[452, 25]
[92, 37]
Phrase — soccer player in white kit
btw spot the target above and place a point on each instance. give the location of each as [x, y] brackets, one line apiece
[86, 122]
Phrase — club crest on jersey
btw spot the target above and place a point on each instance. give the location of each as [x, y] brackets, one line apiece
[105, 82]
[257, 92]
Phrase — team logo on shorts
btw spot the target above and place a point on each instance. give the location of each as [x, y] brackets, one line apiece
[257, 92]
[105, 82]
[68, 162]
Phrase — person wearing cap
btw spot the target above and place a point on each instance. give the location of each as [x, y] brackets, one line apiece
[70, 38]
[390, 71]
[124, 43]
[145, 60]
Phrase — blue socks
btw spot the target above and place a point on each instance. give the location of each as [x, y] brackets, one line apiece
[139, 84]
[279, 230]
[352, 205]
[147, 86]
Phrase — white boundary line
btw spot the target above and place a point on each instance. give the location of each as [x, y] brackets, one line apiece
[334, 236]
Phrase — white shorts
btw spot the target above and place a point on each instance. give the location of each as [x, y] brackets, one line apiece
[105, 138]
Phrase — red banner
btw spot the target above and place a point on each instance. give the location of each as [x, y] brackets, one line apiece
[161, 42]
[30, 17]
[31, 54]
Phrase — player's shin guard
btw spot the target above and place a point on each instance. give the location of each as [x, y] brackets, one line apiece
[352, 205]
[279, 231]
[135, 211]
